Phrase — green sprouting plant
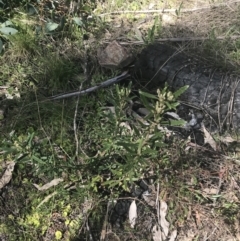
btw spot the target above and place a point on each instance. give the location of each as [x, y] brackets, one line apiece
[153, 31]
[126, 148]
[178, 11]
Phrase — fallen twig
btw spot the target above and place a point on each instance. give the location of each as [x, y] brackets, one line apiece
[104, 84]
[171, 10]
[186, 39]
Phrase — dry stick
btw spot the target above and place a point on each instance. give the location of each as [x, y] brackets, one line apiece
[75, 123]
[231, 103]
[104, 84]
[85, 66]
[206, 92]
[219, 104]
[170, 10]
[234, 37]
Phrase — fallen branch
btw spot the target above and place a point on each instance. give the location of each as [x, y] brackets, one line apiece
[211, 6]
[104, 84]
[186, 39]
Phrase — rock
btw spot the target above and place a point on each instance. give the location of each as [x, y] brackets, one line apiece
[114, 56]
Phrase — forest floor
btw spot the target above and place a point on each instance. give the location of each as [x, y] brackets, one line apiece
[65, 144]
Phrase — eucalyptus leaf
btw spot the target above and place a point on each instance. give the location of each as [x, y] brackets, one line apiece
[8, 31]
[78, 21]
[51, 26]
[7, 23]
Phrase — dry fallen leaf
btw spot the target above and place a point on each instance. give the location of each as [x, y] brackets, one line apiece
[133, 214]
[54, 182]
[163, 222]
[210, 191]
[227, 140]
[173, 235]
[7, 176]
[157, 234]
[160, 231]
[149, 199]
[189, 236]
[209, 139]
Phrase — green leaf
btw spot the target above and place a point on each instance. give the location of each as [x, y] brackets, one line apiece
[38, 160]
[174, 122]
[111, 183]
[168, 105]
[136, 130]
[30, 138]
[180, 91]
[78, 21]
[128, 146]
[51, 26]
[148, 95]
[141, 143]
[147, 103]
[8, 31]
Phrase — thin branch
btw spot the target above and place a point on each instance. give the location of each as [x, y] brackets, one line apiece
[75, 123]
[211, 6]
[186, 39]
[104, 84]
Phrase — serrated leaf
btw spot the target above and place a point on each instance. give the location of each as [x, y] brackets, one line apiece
[78, 21]
[51, 26]
[180, 91]
[8, 31]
